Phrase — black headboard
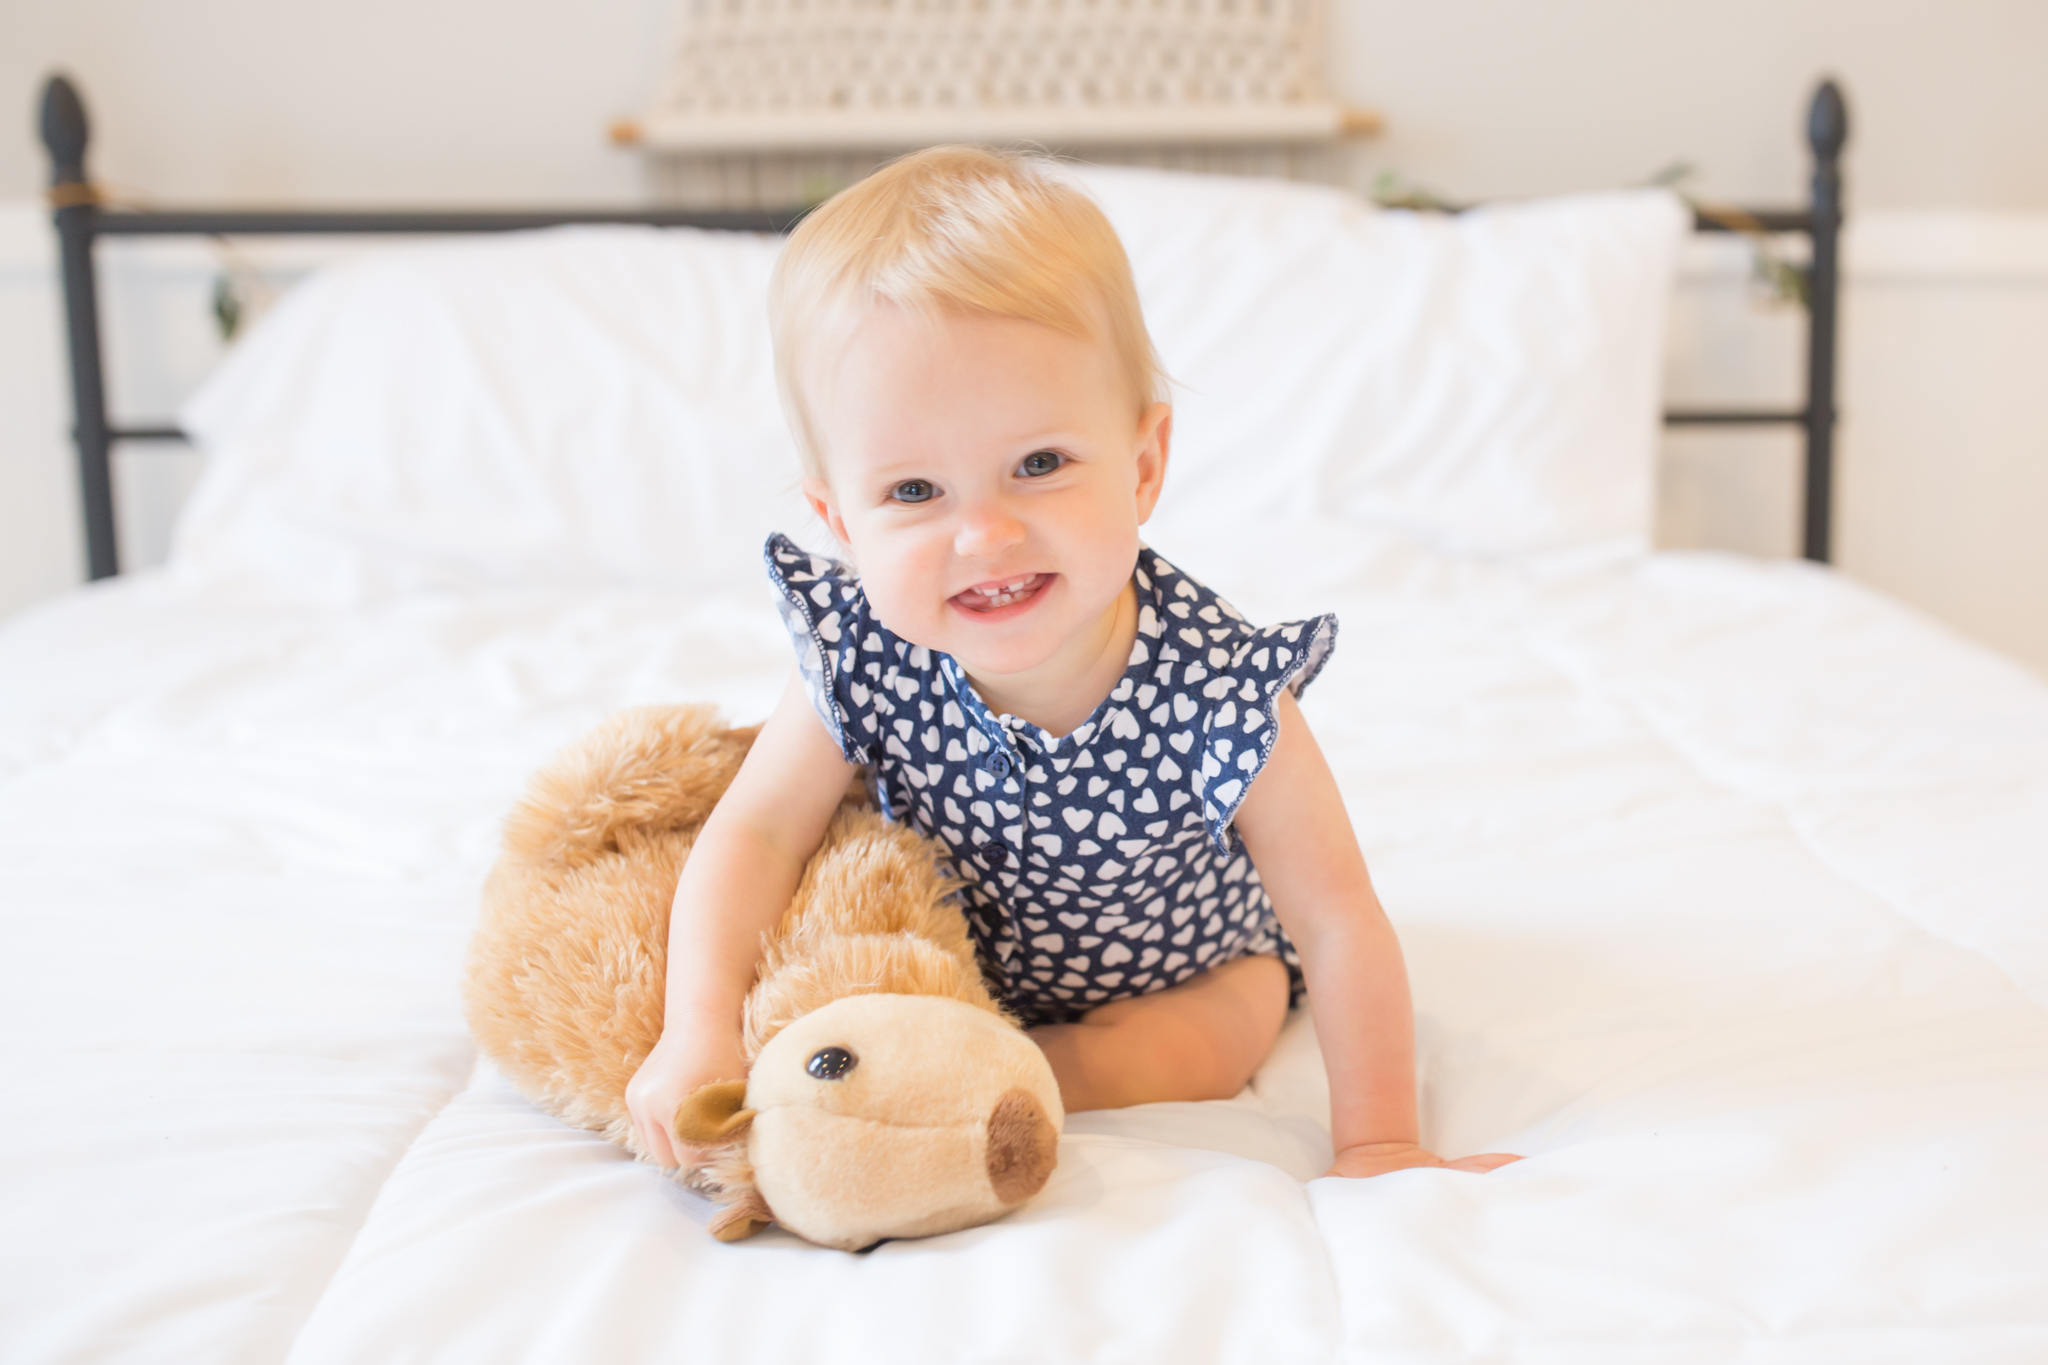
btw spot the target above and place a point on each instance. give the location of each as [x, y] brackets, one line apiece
[82, 218]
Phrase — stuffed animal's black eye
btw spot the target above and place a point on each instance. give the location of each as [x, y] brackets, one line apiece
[830, 1063]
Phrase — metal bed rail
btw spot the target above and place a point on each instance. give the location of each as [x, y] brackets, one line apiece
[81, 220]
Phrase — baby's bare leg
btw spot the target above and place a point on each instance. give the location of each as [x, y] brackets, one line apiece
[1200, 1040]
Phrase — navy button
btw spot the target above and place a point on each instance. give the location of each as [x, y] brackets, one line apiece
[998, 764]
[996, 855]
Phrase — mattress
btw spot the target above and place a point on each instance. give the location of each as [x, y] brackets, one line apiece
[1723, 885]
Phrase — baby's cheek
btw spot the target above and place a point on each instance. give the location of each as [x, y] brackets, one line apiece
[1103, 556]
[908, 604]
[892, 567]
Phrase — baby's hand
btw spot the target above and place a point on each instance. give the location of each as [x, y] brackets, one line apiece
[1377, 1158]
[671, 1073]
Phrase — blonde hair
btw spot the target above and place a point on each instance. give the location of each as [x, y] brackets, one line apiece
[957, 230]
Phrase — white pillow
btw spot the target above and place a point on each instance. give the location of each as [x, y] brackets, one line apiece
[570, 407]
[1487, 381]
[596, 405]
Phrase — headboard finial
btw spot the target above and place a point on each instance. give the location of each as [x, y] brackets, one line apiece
[65, 130]
[1827, 121]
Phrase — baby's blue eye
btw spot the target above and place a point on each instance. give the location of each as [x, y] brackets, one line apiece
[1039, 463]
[912, 490]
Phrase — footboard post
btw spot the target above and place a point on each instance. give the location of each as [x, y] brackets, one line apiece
[75, 210]
[1827, 129]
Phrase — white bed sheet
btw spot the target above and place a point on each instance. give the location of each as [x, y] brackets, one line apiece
[1724, 888]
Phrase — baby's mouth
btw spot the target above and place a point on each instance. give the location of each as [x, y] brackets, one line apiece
[983, 597]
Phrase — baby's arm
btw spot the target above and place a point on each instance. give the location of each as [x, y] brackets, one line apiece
[1293, 824]
[740, 876]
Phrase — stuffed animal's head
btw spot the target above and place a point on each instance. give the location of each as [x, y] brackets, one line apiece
[883, 1116]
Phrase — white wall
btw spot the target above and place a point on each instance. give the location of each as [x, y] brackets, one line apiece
[442, 101]
[40, 552]
[1945, 493]
[1944, 461]
[1500, 97]
[482, 100]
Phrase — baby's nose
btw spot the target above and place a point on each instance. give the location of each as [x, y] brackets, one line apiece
[985, 534]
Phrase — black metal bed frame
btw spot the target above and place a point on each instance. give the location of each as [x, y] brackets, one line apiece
[81, 219]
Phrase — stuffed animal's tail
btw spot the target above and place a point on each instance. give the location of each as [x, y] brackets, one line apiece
[650, 768]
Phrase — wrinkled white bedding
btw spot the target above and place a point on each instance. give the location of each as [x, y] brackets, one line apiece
[1724, 888]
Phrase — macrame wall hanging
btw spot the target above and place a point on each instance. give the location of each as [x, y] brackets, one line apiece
[769, 103]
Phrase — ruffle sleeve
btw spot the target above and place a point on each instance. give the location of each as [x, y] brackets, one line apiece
[1239, 682]
[826, 614]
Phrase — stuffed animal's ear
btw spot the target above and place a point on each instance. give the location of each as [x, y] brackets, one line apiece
[713, 1114]
[742, 1218]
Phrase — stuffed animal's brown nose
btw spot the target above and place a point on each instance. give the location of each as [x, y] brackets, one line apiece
[1022, 1146]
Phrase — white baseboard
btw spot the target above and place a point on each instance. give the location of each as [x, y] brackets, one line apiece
[1893, 246]
[1955, 246]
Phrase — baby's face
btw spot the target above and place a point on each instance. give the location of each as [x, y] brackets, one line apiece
[988, 476]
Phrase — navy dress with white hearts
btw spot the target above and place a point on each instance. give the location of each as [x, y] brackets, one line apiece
[1097, 865]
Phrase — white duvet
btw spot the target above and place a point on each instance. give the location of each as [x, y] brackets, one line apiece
[1724, 886]
[1724, 889]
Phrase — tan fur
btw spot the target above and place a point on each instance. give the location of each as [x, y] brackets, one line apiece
[565, 980]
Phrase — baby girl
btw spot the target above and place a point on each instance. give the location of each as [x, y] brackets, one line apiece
[1155, 858]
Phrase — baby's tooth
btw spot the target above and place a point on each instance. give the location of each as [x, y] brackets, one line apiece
[1004, 594]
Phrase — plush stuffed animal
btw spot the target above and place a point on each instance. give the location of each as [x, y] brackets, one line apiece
[887, 1094]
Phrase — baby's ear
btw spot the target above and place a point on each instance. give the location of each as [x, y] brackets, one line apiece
[1155, 438]
[713, 1114]
[818, 495]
